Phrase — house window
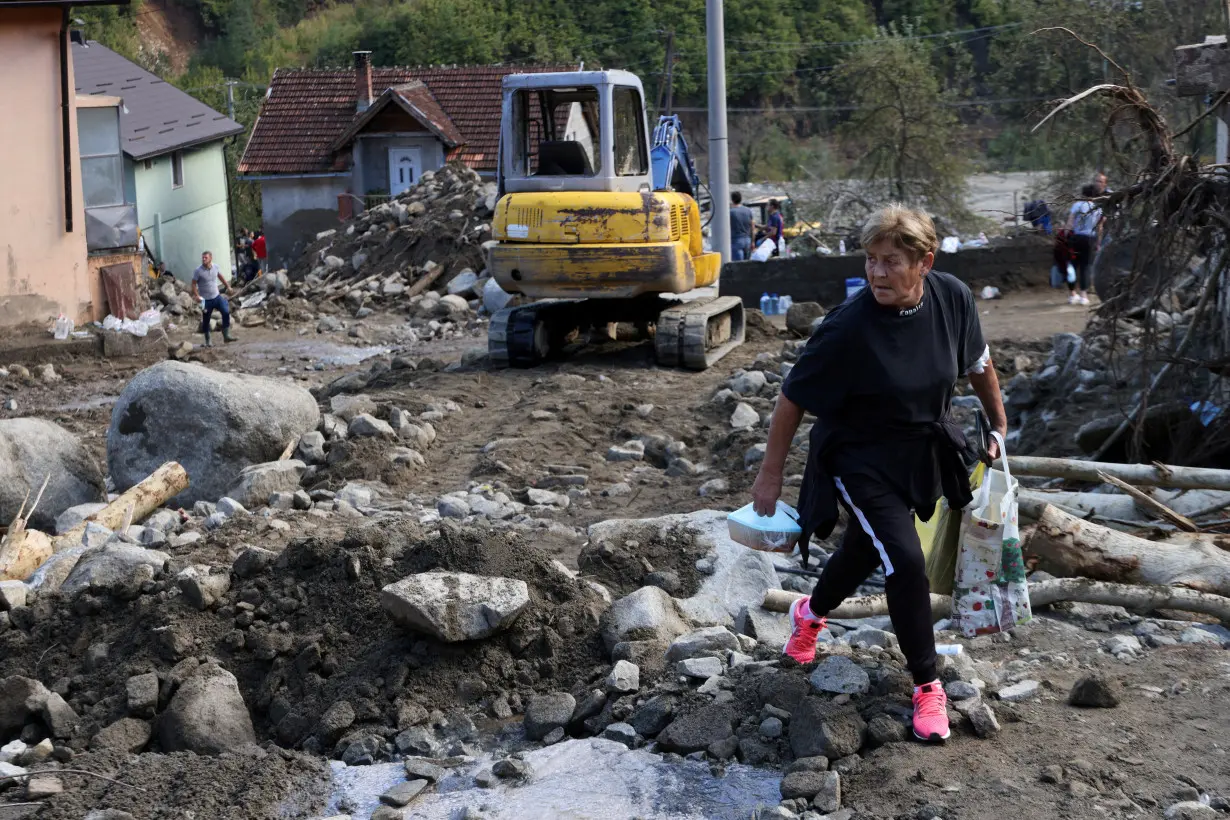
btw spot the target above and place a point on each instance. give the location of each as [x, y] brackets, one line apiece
[177, 169]
[102, 164]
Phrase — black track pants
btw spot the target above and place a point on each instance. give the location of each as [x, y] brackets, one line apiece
[881, 531]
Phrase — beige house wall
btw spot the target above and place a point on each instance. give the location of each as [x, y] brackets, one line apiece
[43, 269]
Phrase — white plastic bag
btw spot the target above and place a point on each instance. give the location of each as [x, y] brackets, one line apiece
[150, 318]
[763, 251]
[990, 593]
[136, 328]
[111, 323]
[768, 533]
[951, 244]
[1071, 274]
[64, 327]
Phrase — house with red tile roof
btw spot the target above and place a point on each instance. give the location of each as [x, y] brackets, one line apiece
[328, 142]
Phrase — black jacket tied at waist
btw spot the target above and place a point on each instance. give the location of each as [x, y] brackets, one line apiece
[818, 505]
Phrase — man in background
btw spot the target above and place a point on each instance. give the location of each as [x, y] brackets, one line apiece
[741, 226]
[207, 284]
[259, 251]
[776, 228]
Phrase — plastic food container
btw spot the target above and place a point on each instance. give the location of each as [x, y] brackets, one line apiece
[767, 533]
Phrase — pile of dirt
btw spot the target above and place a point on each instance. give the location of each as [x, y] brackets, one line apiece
[663, 559]
[309, 632]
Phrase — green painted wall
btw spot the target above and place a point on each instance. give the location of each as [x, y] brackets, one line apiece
[193, 216]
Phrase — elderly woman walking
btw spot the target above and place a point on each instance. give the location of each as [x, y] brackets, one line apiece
[878, 375]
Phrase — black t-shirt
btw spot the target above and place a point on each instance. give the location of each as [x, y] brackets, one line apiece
[877, 378]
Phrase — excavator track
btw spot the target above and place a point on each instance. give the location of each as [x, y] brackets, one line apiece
[697, 334]
[687, 334]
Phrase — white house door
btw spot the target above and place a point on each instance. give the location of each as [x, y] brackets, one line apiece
[405, 167]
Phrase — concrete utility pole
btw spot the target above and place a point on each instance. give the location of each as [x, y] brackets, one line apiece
[719, 170]
[1203, 70]
[230, 98]
[670, 72]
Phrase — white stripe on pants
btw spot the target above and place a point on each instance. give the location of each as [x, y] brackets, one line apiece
[866, 525]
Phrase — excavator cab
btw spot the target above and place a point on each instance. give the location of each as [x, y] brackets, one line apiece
[599, 221]
[580, 131]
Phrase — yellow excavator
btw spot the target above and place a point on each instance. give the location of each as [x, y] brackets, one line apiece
[600, 223]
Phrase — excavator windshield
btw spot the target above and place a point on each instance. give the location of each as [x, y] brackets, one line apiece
[556, 132]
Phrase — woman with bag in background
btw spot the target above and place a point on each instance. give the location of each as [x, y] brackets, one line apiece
[878, 374]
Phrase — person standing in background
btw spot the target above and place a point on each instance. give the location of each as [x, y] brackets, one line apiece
[741, 227]
[207, 284]
[258, 250]
[1085, 229]
[776, 228]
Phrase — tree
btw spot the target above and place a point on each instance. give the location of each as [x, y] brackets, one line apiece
[907, 138]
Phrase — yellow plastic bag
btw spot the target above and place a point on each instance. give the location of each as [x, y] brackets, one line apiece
[941, 539]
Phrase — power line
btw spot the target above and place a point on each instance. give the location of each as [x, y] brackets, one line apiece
[823, 108]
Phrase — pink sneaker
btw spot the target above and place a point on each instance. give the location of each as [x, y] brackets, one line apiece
[931, 712]
[806, 631]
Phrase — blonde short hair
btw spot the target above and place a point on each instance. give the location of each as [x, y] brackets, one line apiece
[907, 228]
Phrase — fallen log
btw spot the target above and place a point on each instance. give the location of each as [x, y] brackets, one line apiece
[1152, 504]
[134, 504]
[1141, 599]
[1068, 546]
[1149, 475]
[425, 281]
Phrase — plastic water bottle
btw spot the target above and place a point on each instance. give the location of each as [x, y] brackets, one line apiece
[764, 304]
[784, 304]
[841, 247]
[64, 327]
[773, 304]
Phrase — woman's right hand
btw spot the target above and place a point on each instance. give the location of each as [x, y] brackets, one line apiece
[765, 491]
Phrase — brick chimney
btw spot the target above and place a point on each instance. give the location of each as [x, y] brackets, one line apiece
[363, 80]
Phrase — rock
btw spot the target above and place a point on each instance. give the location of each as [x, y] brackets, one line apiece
[800, 317]
[75, 515]
[700, 668]
[12, 595]
[653, 716]
[960, 690]
[1191, 810]
[821, 729]
[257, 482]
[207, 715]
[872, 637]
[116, 814]
[625, 678]
[882, 730]
[980, 716]
[1018, 692]
[712, 640]
[203, 589]
[621, 733]
[230, 507]
[252, 562]
[418, 768]
[545, 713]
[142, 693]
[494, 297]
[463, 283]
[646, 614]
[770, 628]
[417, 740]
[771, 728]
[546, 498]
[115, 567]
[840, 676]
[21, 699]
[1196, 635]
[234, 421]
[1094, 691]
[452, 507]
[805, 783]
[455, 606]
[368, 426]
[510, 768]
[126, 734]
[356, 495]
[43, 786]
[403, 793]
[1123, 644]
[452, 306]
[748, 383]
[630, 451]
[714, 486]
[60, 718]
[828, 799]
[30, 451]
[744, 417]
[311, 447]
[699, 729]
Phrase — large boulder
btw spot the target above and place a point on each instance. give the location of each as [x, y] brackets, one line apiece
[207, 715]
[455, 606]
[30, 451]
[649, 613]
[214, 424]
[114, 568]
[21, 699]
